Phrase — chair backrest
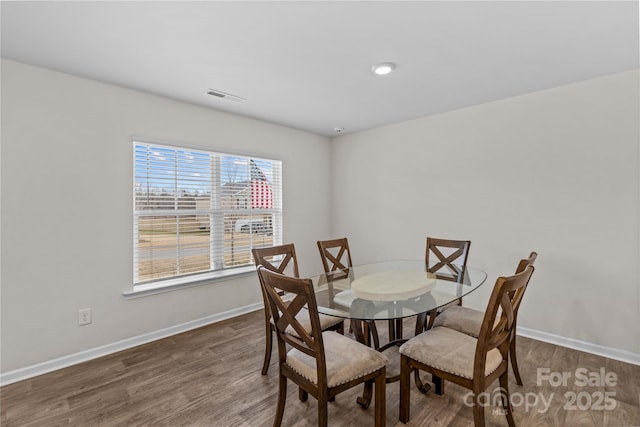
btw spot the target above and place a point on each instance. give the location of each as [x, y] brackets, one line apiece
[287, 298]
[522, 265]
[526, 262]
[498, 323]
[446, 258]
[335, 254]
[281, 259]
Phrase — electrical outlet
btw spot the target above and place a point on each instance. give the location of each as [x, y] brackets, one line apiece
[84, 316]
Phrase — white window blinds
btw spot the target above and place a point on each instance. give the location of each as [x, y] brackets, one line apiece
[199, 212]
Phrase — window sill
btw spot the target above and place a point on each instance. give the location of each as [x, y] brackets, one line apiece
[169, 285]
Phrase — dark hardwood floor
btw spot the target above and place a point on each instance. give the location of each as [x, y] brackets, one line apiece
[211, 377]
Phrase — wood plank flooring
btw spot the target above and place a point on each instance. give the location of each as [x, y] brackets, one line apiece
[211, 377]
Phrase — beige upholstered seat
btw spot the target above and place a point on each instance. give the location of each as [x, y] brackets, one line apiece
[448, 350]
[472, 363]
[326, 323]
[322, 364]
[462, 319]
[281, 259]
[344, 298]
[468, 320]
[346, 360]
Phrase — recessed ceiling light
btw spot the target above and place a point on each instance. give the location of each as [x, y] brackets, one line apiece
[383, 68]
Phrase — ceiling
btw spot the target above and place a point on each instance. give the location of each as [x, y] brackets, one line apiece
[307, 65]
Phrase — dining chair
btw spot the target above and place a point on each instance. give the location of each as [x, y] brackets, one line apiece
[335, 254]
[469, 321]
[322, 364]
[469, 362]
[282, 259]
[447, 260]
[336, 259]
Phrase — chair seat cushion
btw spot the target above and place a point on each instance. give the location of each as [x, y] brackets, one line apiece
[346, 360]
[450, 351]
[303, 317]
[462, 319]
[344, 298]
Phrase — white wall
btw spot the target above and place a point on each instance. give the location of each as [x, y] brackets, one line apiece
[554, 171]
[570, 191]
[67, 209]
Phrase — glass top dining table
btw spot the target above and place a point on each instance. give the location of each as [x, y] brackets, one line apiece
[391, 290]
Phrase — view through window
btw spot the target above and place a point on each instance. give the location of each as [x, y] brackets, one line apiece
[198, 211]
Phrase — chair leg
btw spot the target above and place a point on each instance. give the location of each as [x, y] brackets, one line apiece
[323, 412]
[373, 329]
[439, 383]
[420, 322]
[405, 389]
[478, 415]
[282, 398]
[267, 351]
[478, 409]
[514, 362]
[506, 400]
[432, 319]
[380, 409]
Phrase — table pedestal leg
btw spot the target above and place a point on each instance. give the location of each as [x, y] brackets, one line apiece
[422, 387]
[366, 332]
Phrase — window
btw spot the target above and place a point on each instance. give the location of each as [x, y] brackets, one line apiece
[199, 212]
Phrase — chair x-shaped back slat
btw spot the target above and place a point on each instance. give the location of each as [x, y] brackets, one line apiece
[504, 303]
[341, 261]
[336, 260]
[460, 254]
[285, 311]
[277, 258]
[287, 316]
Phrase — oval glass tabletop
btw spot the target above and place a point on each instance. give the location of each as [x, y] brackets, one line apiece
[393, 289]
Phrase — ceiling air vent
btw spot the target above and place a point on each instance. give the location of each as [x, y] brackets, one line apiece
[223, 95]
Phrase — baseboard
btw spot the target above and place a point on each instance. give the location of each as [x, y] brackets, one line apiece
[83, 356]
[600, 350]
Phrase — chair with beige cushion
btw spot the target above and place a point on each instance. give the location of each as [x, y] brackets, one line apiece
[322, 364]
[447, 259]
[282, 259]
[336, 261]
[469, 321]
[469, 362]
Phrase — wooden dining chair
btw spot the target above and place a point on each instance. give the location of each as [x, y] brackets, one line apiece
[335, 254]
[322, 364]
[447, 260]
[472, 363]
[469, 321]
[282, 259]
[336, 259]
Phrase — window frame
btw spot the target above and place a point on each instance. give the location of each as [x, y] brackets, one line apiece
[215, 210]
